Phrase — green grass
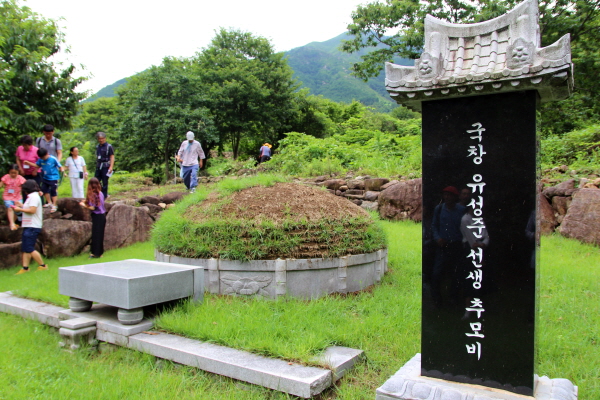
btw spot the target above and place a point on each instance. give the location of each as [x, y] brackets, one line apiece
[384, 322]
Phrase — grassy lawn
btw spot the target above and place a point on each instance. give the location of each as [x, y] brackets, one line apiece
[384, 322]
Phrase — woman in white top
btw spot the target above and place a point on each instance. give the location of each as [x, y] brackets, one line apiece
[77, 172]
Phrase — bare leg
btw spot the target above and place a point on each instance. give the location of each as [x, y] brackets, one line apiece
[37, 257]
[54, 200]
[11, 218]
[47, 197]
[26, 259]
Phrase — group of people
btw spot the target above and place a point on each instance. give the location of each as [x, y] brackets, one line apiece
[37, 172]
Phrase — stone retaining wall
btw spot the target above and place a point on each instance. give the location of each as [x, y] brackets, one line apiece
[302, 278]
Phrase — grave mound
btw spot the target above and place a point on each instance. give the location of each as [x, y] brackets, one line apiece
[285, 220]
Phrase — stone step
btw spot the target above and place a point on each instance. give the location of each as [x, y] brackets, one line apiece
[45, 313]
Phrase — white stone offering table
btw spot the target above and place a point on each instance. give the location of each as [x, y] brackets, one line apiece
[129, 285]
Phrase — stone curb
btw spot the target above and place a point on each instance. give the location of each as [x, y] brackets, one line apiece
[272, 373]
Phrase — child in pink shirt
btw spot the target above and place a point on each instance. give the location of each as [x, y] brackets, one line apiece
[12, 192]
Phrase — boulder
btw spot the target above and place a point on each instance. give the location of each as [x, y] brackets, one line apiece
[65, 238]
[126, 225]
[334, 184]
[69, 205]
[344, 187]
[547, 218]
[390, 183]
[357, 202]
[150, 200]
[375, 183]
[172, 197]
[355, 192]
[10, 254]
[402, 201]
[565, 188]
[356, 184]
[582, 221]
[153, 210]
[321, 178]
[8, 236]
[371, 196]
[561, 204]
[369, 205]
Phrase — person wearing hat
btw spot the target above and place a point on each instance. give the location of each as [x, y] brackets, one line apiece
[191, 156]
[265, 153]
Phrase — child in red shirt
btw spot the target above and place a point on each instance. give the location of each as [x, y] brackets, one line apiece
[12, 193]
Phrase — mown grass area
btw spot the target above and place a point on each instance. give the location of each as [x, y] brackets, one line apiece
[384, 321]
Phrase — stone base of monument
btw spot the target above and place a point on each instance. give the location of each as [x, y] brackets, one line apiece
[408, 384]
[129, 285]
[76, 332]
[302, 278]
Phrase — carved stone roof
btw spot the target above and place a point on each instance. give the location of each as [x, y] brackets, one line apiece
[499, 55]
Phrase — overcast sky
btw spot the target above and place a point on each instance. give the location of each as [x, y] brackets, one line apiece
[116, 39]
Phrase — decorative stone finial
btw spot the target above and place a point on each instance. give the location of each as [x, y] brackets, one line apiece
[499, 55]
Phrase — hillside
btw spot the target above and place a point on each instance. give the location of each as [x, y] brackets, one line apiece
[324, 70]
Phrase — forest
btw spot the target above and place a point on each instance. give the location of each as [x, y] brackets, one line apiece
[238, 93]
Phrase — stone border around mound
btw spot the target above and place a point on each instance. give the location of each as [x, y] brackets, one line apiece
[302, 278]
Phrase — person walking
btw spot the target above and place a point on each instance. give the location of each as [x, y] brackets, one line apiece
[12, 193]
[265, 153]
[105, 162]
[94, 201]
[50, 143]
[192, 157]
[77, 168]
[32, 225]
[28, 152]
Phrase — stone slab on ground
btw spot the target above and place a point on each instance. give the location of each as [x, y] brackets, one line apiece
[272, 373]
[408, 384]
[106, 320]
[45, 313]
[131, 284]
[339, 359]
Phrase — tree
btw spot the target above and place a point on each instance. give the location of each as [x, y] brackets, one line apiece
[33, 92]
[396, 28]
[159, 106]
[250, 88]
[100, 115]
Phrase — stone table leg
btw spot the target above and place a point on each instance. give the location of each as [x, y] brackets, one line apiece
[130, 317]
[79, 305]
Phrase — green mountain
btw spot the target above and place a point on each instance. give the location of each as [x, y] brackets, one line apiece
[324, 70]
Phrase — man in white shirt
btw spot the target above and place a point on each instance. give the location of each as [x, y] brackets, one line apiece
[189, 153]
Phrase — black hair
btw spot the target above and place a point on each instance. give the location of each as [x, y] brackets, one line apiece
[48, 128]
[29, 187]
[13, 166]
[42, 153]
[71, 151]
[26, 139]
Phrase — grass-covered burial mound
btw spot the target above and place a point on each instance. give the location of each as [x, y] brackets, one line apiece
[263, 218]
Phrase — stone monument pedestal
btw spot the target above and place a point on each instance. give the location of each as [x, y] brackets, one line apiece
[408, 384]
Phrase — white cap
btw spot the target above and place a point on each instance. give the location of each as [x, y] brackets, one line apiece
[190, 135]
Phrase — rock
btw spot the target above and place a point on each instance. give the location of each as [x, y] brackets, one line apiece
[65, 238]
[334, 184]
[390, 183]
[582, 221]
[560, 204]
[371, 196]
[355, 192]
[333, 192]
[8, 236]
[353, 196]
[563, 169]
[343, 187]
[338, 192]
[69, 205]
[126, 225]
[583, 181]
[547, 218]
[150, 200]
[3, 217]
[375, 184]
[402, 201]
[357, 202]
[67, 216]
[370, 205]
[172, 197]
[561, 189]
[356, 184]
[590, 185]
[10, 254]
[153, 210]
[321, 178]
[162, 205]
